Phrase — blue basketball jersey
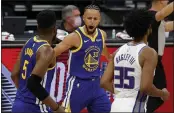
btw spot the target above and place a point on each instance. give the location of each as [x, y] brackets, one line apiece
[28, 61]
[84, 61]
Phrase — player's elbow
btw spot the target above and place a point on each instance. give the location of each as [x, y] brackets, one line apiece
[145, 88]
[14, 76]
[160, 16]
[103, 83]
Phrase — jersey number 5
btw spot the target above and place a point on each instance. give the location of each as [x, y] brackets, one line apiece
[123, 78]
[25, 69]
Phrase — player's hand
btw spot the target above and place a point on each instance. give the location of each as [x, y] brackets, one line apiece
[166, 94]
[60, 110]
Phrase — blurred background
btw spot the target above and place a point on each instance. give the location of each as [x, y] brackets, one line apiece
[22, 14]
[18, 23]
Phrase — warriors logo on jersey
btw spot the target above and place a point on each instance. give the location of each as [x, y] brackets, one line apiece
[91, 58]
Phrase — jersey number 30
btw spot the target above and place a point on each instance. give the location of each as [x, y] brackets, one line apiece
[25, 69]
[123, 78]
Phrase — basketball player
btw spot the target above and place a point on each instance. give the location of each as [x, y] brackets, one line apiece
[34, 70]
[132, 67]
[83, 83]
[156, 40]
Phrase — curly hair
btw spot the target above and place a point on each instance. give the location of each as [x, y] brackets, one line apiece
[137, 23]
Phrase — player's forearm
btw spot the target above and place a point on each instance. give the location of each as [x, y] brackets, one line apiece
[108, 86]
[106, 53]
[153, 91]
[169, 26]
[34, 86]
[166, 11]
[15, 80]
[51, 103]
[60, 48]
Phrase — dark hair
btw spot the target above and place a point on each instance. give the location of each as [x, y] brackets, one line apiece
[46, 19]
[137, 23]
[92, 7]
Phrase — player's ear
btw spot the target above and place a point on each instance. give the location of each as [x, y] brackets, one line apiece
[83, 17]
[100, 17]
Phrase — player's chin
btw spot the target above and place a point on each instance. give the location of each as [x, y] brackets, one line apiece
[91, 31]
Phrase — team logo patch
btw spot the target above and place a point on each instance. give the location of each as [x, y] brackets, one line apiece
[91, 59]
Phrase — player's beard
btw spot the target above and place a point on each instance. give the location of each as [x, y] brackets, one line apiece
[90, 32]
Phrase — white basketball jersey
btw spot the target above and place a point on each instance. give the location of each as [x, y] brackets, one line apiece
[127, 73]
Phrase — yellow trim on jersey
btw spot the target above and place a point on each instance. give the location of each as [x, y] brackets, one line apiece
[27, 41]
[41, 46]
[52, 67]
[36, 40]
[81, 43]
[68, 109]
[92, 38]
[103, 38]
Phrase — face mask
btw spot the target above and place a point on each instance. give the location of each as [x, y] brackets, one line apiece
[77, 21]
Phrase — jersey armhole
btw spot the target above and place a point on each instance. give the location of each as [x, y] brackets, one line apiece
[81, 42]
[140, 51]
[42, 46]
[50, 68]
[103, 38]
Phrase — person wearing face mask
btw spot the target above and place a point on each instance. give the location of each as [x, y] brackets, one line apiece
[159, 10]
[71, 20]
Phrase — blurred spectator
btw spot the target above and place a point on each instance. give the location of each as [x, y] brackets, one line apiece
[70, 21]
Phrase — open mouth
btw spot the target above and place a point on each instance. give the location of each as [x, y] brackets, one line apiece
[91, 27]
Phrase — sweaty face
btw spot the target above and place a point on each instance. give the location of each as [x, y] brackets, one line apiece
[91, 19]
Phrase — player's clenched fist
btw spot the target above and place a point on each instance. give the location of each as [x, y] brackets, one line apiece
[166, 94]
[60, 110]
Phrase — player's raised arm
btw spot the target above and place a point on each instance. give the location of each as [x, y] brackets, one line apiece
[166, 11]
[106, 81]
[71, 40]
[169, 26]
[44, 57]
[150, 61]
[16, 71]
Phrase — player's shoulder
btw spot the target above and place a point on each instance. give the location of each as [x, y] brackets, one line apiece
[72, 35]
[46, 50]
[148, 52]
[102, 31]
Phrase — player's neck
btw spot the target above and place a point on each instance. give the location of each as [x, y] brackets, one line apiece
[144, 40]
[43, 37]
[68, 27]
